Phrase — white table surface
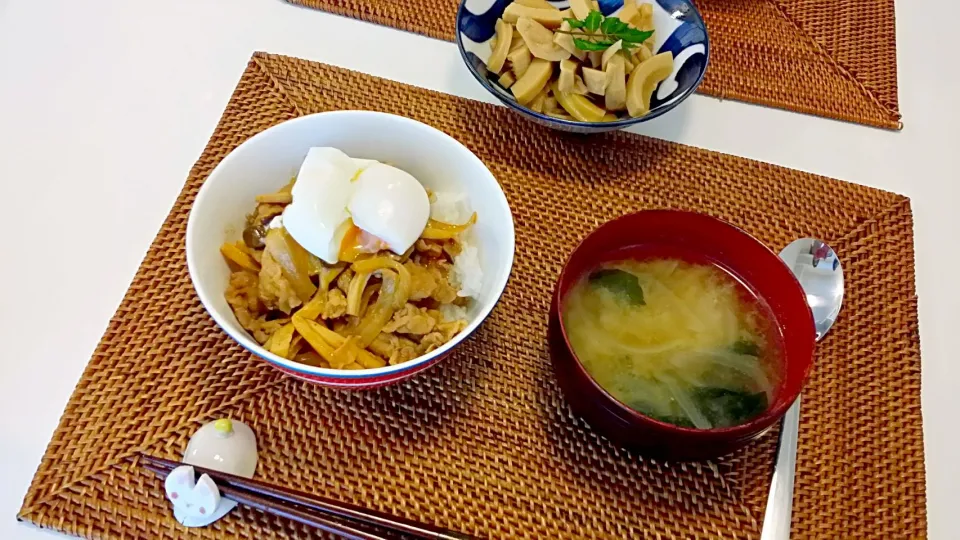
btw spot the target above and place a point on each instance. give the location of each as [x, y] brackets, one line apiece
[105, 105]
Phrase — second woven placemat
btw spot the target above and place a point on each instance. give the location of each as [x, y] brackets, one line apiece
[484, 442]
[835, 59]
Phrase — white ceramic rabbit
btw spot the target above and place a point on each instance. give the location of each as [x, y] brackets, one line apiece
[224, 446]
[195, 502]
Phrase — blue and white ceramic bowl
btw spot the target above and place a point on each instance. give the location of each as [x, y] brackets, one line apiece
[680, 30]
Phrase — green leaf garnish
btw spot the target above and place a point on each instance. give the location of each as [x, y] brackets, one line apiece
[634, 36]
[623, 284]
[587, 45]
[593, 20]
[612, 25]
[748, 348]
[602, 32]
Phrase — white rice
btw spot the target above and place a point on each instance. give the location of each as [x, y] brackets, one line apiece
[467, 272]
[450, 208]
[453, 312]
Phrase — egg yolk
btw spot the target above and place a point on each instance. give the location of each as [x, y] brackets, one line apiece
[358, 242]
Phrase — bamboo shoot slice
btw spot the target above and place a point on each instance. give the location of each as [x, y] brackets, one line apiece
[565, 41]
[615, 98]
[578, 106]
[579, 87]
[504, 38]
[581, 8]
[628, 12]
[596, 58]
[507, 79]
[644, 53]
[644, 80]
[609, 53]
[532, 82]
[280, 341]
[369, 360]
[309, 330]
[540, 41]
[551, 18]
[568, 69]
[239, 256]
[595, 80]
[560, 115]
[540, 4]
[644, 21]
[520, 59]
[537, 104]
[644, 17]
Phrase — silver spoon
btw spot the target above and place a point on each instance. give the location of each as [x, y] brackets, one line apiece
[820, 275]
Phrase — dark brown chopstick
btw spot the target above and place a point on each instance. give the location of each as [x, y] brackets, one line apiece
[313, 519]
[336, 517]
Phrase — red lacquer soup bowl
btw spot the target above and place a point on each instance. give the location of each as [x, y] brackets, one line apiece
[669, 233]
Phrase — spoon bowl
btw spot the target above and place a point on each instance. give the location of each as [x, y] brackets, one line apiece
[819, 272]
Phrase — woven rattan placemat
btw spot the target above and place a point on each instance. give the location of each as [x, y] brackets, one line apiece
[836, 59]
[484, 442]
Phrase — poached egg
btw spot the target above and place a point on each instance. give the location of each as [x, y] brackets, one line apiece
[343, 207]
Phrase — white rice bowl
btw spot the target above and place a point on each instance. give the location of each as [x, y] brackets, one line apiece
[444, 166]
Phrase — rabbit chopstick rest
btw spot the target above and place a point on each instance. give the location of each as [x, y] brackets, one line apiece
[224, 446]
[195, 502]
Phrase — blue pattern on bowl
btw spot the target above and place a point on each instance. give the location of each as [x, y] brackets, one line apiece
[680, 30]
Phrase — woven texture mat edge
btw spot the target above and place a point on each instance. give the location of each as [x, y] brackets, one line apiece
[838, 61]
[484, 443]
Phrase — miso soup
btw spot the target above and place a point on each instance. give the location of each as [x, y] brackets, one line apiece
[681, 342]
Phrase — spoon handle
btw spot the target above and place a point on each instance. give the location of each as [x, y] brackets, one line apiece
[776, 519]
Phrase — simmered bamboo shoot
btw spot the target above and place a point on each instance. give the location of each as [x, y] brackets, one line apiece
[504, 39]
[551, 18]
[539, 40]
[644, 80]
[527, 87]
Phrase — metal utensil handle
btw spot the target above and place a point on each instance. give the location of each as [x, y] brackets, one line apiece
[776, 519]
